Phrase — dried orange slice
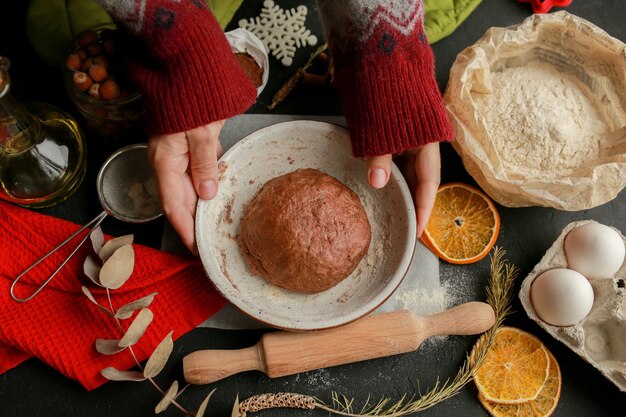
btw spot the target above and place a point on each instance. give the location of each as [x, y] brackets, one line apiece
[515, 368]
[543, 406]
[463, 226]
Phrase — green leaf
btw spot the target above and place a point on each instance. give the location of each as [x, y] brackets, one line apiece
[205, 403]
[92, 270]
[167, 398]
[97, 239]
[159, 357]
[137, 328]
[118, 268]
[235, 412]
[108, 346]
[114, 374]
[127, 310]
[93, 300]
[112, 245]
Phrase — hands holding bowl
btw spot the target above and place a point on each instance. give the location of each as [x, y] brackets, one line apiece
[186, 169]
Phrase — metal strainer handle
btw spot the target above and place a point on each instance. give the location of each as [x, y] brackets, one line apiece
[95, 222]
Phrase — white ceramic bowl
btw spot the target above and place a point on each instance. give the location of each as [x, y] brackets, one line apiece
[277, 150]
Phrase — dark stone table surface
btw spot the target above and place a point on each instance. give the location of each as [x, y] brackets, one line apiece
[34, 389]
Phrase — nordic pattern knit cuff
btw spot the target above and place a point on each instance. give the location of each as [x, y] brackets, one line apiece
[181, 63]
[384, 70]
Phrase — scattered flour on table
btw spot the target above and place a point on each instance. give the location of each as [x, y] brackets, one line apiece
[541, 120]
[319, 378]
[429, 301]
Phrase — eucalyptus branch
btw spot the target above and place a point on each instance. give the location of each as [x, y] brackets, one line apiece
[110, 269]
[138, 363]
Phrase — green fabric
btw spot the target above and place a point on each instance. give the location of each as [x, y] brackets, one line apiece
[224, 10]
[52, 24]
[442, 17]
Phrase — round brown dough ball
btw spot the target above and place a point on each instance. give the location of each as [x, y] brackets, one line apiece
[305, 231]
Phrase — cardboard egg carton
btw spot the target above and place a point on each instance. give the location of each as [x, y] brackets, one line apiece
[600, 338]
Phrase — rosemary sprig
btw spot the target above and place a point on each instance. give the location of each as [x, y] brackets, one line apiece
[499, 294]
[291, 83]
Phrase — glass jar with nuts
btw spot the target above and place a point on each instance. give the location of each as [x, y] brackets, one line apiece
[96, 83]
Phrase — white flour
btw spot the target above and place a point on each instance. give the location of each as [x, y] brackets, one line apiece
[145, 198]
[541, 120]
[429, 301]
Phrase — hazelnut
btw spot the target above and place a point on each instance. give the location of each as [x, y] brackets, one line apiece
[106, 34]
[94, 49]
[109, 46]
[109, 90]
[102, 60]
[73, 62]
[87, 37]
[81, 54]
[98, 73]
[94, 90]
[81, 80]
[87, 63]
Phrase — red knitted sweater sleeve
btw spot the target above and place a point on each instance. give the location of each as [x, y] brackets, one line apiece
[184, 67]
[384, 70]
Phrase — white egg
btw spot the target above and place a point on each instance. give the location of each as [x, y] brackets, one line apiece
[561, 297]
[594, 250]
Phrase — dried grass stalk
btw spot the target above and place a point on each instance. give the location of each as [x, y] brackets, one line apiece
[279, 400]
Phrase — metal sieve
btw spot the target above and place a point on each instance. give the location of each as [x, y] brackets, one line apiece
[127, 191]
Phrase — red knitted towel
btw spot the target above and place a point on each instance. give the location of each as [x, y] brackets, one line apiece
[60, 325]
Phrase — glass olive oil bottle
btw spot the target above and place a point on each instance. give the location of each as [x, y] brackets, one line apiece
[42, 150]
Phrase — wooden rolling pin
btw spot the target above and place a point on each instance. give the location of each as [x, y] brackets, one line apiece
[284, 353]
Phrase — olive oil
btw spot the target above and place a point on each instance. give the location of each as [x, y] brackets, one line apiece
[42, 151]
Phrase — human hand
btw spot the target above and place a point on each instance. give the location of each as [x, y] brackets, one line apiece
[185, 167]
[425, 173]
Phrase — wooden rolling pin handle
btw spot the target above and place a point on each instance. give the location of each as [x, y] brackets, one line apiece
[465, 319]
[206, 366]
[285, 353]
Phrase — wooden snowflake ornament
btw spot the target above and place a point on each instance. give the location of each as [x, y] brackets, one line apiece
[282, 31]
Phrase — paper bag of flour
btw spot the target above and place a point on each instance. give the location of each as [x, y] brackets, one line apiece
[539, 111]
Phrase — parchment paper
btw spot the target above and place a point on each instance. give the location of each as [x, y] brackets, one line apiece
[572, 45]
[242, 41]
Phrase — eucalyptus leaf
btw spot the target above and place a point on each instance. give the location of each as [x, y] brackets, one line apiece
[235, 412]
[114, 374]
[159, 357]
[112, 245]
[127, 310]
[118, 268]
[108, 346]
[93, 300]
[92, 270]
[182, 390]
[97, 239]
[137, 328]
[167, 398]
[205, 403]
